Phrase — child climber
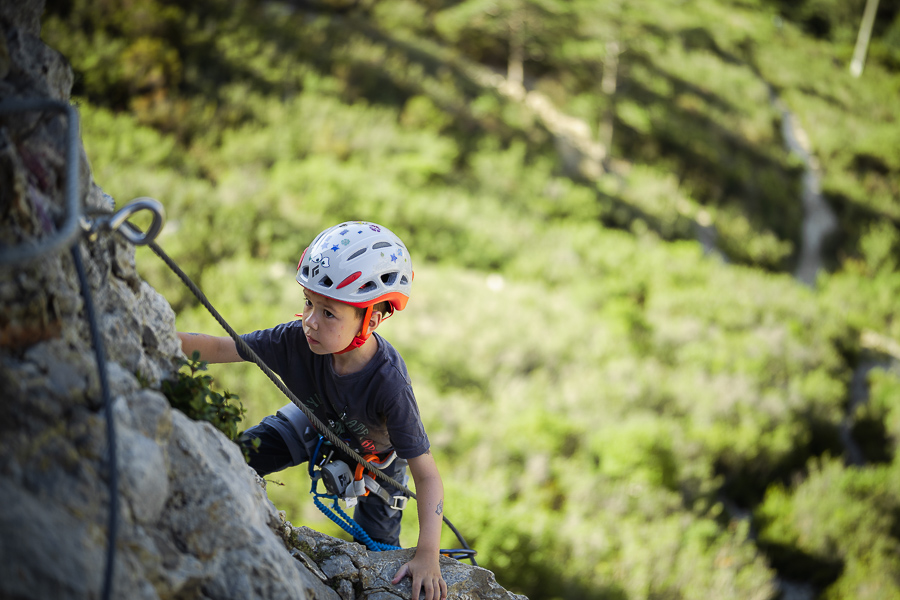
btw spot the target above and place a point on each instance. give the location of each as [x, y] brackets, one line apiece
[354, 275]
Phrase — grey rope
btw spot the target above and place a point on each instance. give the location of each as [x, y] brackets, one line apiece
[317, 423]
[247, 351]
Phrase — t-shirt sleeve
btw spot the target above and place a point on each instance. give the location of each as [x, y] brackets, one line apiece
[275, 346]
[404, 425]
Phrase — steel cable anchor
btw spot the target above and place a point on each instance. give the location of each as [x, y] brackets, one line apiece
[95, 223]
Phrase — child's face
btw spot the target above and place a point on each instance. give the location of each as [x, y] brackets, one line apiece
[329, 325]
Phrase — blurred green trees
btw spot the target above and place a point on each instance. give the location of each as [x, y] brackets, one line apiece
[617, 410]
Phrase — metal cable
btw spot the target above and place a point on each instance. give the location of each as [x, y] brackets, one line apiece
[66, 233]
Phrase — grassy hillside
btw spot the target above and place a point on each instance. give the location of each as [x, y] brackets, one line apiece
[616, 412]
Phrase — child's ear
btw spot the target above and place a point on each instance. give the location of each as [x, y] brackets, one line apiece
[376, 319]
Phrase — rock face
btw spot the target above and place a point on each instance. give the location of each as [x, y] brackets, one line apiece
[195, 521]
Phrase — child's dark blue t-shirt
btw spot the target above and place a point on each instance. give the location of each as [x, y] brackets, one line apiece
[378, 402]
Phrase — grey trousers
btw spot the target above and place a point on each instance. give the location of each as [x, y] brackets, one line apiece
[287, 442]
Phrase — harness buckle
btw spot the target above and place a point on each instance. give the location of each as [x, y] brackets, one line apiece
[399, 502]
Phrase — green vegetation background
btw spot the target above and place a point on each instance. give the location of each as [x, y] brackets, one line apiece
[616, 412]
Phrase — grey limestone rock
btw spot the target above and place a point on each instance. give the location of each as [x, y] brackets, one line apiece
[194, 519]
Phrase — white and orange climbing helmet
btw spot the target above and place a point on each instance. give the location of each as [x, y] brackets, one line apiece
[360, 264]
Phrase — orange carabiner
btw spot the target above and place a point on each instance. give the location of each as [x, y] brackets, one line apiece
[360, 469]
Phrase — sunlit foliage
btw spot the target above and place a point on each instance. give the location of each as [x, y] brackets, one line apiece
[618, 410]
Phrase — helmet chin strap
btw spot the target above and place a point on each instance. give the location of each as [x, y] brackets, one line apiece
[360, 338]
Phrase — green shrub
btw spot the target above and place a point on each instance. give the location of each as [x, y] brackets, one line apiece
[840, 525]
[590, 390]
[191, 394]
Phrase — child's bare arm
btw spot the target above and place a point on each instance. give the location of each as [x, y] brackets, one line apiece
[212, 349]
[425, 567]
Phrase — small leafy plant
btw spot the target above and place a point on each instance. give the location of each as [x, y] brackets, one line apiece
[191, 394]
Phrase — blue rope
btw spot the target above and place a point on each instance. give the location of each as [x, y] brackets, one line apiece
[105, 390]
[312, 460]
[344, 521]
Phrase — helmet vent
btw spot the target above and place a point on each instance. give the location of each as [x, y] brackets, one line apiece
[357, 262]
[357, 254]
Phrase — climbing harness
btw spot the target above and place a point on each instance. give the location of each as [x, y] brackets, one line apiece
[66, 236]
[341, 484]
[332, 468]
[350, 486]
